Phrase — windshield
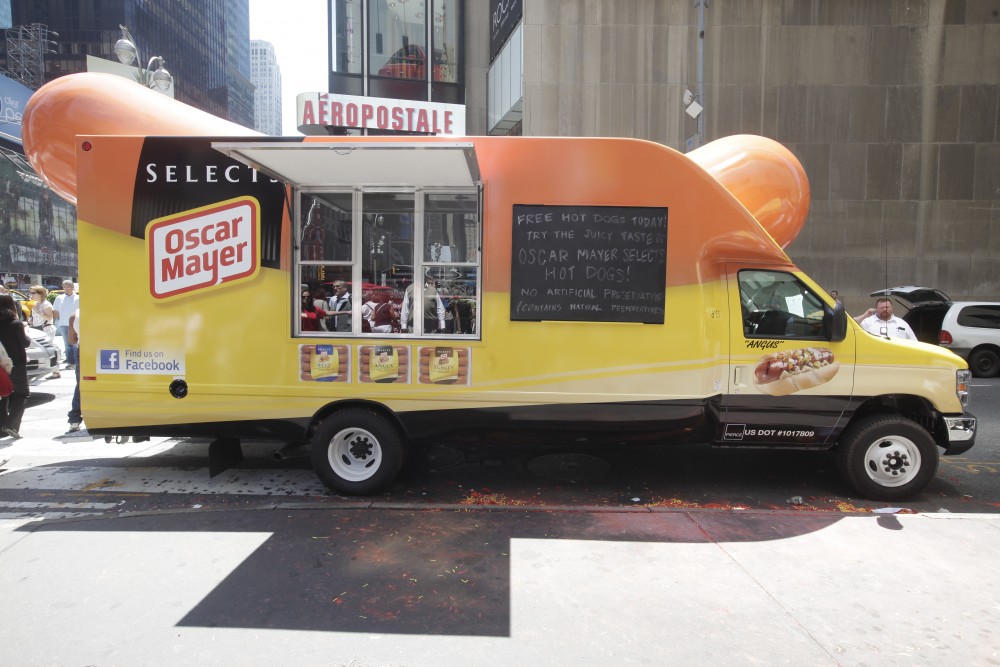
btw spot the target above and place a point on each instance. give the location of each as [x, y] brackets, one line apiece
[777, 304]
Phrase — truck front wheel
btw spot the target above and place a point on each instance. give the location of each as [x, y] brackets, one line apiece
[886, 457]
[357, 451]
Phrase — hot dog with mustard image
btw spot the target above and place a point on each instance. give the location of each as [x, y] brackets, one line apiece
[785, 372]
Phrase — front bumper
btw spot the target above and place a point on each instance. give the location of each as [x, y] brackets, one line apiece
[961, 433]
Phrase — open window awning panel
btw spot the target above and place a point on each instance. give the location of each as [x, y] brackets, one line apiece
[332, 164]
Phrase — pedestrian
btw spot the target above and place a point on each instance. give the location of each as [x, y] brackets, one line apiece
[880, 321]
[75, 415]
[311, 315]
[6, 384]
[380, 313]
[43, 317]
[434, 312]
[319, 300]
[15, 341]
[340, 308]
[64, 306]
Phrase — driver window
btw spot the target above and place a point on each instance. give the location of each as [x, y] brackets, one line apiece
[775, 304]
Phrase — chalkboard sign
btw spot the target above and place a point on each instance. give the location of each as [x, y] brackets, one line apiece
[588, 263]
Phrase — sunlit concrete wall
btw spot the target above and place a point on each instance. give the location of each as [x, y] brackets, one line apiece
[891, 105]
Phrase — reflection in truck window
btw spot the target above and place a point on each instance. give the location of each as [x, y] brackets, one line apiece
[775, 304]
[451, 256]
[394, 248]
[326, 227]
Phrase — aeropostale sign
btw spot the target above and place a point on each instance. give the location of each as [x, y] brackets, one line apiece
[379, 113]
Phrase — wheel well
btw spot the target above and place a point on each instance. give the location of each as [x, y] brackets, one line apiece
[914, 408]
[985, 346]
[336, 406]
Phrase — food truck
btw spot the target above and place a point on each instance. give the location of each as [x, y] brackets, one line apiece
[577, 290]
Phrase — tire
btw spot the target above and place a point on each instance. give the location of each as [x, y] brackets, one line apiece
[984, 363]
[357, 452]
[884, 457]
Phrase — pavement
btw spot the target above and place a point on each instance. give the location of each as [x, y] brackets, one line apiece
[123, 567]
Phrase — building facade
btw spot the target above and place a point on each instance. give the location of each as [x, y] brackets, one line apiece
[206, 45]
[892, 107]
[401, 49]
[37, 228]
[239, 87]
[266, 77]
[397, 67]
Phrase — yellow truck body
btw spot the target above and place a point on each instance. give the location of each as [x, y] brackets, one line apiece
[577, 289]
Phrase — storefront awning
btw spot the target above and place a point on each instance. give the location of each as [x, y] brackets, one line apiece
[338, 164]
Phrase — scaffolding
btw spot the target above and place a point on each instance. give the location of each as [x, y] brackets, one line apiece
[26, 49]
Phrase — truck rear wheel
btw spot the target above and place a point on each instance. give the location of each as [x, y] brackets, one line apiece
[357, 451]
[886, 457]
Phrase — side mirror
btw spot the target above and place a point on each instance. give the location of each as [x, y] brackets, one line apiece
[835, 322]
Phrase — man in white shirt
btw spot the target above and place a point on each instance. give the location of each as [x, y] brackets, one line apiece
[880, 321]
[433, 308]
[340, 308]
[64, 306]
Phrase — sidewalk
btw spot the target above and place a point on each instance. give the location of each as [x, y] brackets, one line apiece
[47, 407]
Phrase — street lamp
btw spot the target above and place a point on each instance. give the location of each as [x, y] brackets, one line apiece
[127, 52]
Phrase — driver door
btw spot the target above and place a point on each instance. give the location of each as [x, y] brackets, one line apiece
[789, 381]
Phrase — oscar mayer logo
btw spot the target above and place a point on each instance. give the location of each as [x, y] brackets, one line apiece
[204, 247]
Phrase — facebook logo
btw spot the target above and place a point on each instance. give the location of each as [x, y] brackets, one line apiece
[109, 360]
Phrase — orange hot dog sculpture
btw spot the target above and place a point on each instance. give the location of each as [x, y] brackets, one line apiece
[788, 371]
[96, 103]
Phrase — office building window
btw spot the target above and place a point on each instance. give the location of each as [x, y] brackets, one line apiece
[347, 37]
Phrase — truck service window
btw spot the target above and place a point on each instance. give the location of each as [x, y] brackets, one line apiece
[384, 262]
[777, 305]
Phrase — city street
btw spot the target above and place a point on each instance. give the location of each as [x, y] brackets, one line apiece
[131, 554]
[486, 262]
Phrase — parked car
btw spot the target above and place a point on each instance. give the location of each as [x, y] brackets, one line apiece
[970, 329]
[43, 355]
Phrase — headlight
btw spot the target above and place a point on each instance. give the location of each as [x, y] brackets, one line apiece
[962, 379]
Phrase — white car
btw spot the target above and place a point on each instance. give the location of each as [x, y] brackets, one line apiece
[43, 355]
[970, 329]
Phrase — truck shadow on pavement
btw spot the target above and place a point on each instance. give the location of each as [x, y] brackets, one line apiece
[445, 572]
[434, 554]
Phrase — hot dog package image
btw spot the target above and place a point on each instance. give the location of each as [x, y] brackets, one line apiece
[788, 371]
[323, 363]
[444, 365]
[385, 364]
